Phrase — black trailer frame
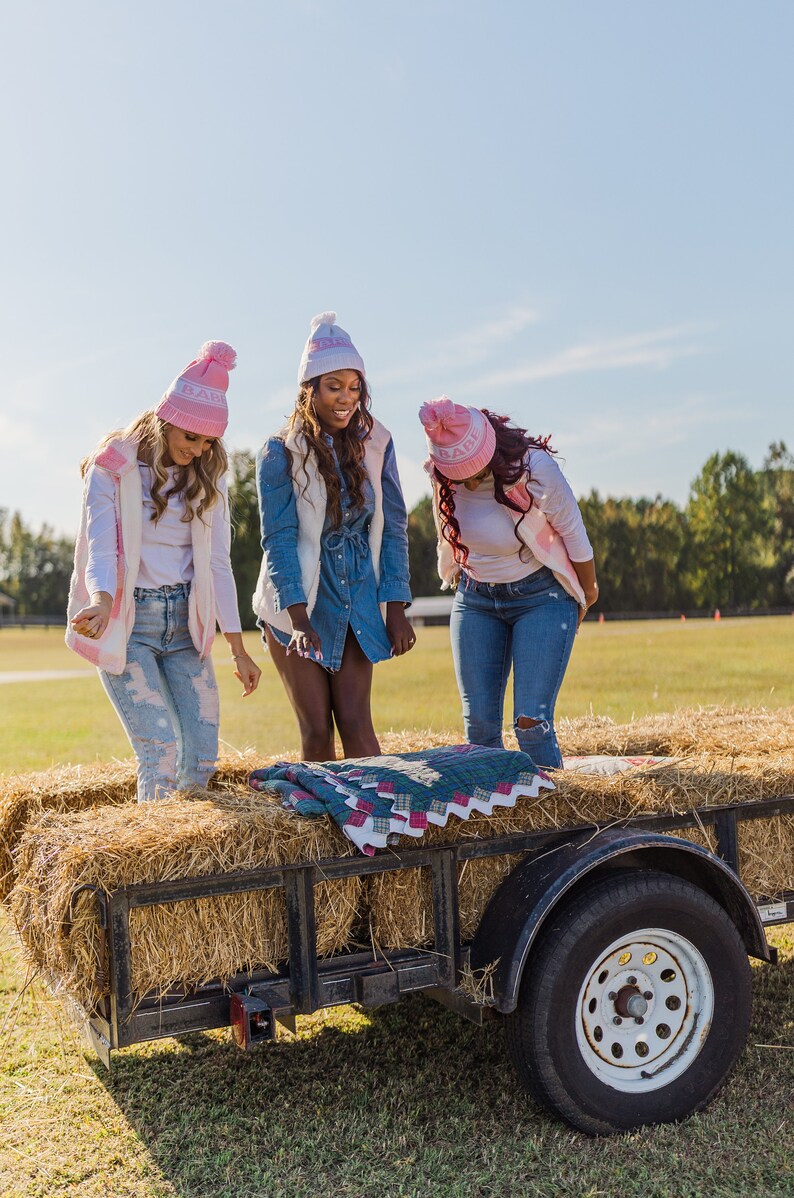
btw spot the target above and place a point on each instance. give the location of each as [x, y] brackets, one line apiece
[252, 1004]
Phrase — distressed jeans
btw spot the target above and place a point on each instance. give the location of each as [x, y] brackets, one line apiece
[167, 697]
[530, 626]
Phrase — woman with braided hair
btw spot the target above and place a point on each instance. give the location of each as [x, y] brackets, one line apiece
[335, 544]
[512, 539]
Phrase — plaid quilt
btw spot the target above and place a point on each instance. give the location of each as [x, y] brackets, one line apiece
[375, 800]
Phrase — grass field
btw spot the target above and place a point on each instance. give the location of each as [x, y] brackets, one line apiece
[407, 1100]
[617, 669]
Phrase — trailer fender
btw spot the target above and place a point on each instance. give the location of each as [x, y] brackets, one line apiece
[528, 896]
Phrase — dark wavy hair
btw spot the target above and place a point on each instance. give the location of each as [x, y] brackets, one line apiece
[349, 447]
[508, 466]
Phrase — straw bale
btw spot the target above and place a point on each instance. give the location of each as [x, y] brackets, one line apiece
[400, 903]
[23, 797]
[179, 944]
[723, 731]
[77, 787]
[766, 856]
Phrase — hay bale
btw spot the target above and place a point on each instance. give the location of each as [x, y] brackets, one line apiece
[23, 797]
[180, 944]
[722, 731]
[400, 903]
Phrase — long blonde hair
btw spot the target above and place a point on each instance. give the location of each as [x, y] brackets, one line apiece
[198, 481]
[350, 446]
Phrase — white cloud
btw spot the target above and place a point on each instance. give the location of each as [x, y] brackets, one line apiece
[465, 349]
[657, 348]
[614, 435]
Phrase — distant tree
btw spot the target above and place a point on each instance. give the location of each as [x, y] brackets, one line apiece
[35, 568]
[730, 525]
[639, 546]
[246, 552]
[778, 482]
[422, 549]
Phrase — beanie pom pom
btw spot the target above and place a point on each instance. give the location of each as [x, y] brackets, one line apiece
[322, 318]
[437, 413]
[218, 351]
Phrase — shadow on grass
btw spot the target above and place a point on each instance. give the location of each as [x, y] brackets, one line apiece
[349, 1093]
[410, 1099]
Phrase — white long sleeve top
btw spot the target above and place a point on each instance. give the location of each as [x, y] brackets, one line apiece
[166, 547]
[488, 529]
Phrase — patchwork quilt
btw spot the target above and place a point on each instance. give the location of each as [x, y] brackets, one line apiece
[376, 800]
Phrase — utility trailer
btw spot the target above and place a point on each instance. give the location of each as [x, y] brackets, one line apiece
[615, 956]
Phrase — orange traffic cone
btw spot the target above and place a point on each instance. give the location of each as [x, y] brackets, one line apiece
[683, 618]
[601, 618]
[717, 615]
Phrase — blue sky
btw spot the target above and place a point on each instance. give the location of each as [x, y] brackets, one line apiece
[576, 213]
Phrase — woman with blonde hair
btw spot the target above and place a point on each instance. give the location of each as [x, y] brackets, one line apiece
[152, 576]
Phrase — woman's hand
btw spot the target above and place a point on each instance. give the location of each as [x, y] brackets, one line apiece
[304, 638]
[400, 632]
[91, 621]
[586, 573]
[245, 668]
[248, 672]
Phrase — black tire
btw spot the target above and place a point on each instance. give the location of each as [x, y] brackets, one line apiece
[561, 1037]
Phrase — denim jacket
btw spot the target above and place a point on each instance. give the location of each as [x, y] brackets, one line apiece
[355, 570]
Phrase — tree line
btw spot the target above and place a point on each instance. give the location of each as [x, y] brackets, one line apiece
[731, 545]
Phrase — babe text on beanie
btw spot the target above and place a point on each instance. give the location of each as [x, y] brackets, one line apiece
[328, 348]
[196, 400]
[461, 441]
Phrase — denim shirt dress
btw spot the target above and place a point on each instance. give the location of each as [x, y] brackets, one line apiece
[348, 595]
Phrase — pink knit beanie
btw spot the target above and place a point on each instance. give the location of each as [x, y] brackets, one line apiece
[461, 441]
[196, 400]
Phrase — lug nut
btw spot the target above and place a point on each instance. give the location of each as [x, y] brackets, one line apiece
[612, 996]
[617, 1019]
[632, 981]
[648, 994]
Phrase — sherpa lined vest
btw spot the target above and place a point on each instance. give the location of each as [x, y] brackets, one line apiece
[311, 504]
[534, 530]
[109, 652]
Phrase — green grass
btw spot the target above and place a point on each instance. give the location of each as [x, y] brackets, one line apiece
[407, 1100]
[617, 669]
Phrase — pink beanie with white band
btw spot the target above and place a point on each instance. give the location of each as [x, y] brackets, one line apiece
[328, 348]
[196, 400]
[461, 441]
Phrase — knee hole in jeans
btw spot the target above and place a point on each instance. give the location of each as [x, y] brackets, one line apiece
[526, 723]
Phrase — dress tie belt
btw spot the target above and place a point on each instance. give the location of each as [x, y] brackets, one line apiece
[345, 539]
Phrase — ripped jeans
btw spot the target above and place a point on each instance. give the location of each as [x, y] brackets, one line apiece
[530, 626]
[167, 697]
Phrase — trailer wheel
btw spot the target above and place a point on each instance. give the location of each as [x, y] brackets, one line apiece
[634, 1006]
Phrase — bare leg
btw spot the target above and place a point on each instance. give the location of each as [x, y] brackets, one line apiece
[309, 692]
[351, 688]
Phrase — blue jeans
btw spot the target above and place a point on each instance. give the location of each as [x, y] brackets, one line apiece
[167, 697]
[529, 625]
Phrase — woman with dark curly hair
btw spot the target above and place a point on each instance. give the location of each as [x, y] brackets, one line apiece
[335, 542]
[511, 536]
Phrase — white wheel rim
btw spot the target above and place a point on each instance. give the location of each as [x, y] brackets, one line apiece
[644, 1010]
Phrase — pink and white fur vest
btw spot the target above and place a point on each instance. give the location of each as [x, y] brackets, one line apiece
[534, 530]
[109, 652]
[311, 504]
